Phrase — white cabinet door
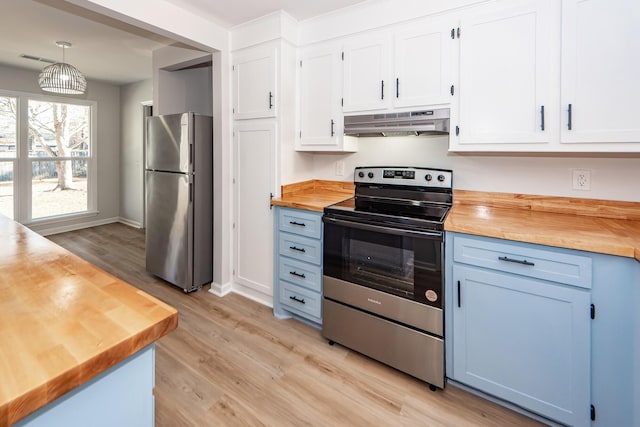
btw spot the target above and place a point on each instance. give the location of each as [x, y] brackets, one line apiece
[423, 63]
[508, 61]
[523, 340]
[320, 113]
[254, 83]
[600, 71]
[254, 181]
[367, 77]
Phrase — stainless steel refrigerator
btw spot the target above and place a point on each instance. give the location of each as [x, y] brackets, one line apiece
[179, 199]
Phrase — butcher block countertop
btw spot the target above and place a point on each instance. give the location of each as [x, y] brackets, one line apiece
[314, 195]
[63, 321]
[608, 227]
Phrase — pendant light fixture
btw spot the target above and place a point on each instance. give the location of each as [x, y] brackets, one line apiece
[62, 77]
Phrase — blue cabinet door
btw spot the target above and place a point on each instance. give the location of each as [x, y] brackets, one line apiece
[524, 340]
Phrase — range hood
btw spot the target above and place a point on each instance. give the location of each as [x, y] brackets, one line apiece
[430, 122]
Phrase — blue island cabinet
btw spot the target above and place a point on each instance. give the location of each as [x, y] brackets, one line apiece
[298, 265]
[550, 330]
[121, 396]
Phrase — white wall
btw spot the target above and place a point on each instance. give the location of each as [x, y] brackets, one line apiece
[132, 97]
[107, 145]
[612, 178]
[176, 89]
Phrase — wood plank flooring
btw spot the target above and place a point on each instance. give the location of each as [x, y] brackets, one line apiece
[231, 363]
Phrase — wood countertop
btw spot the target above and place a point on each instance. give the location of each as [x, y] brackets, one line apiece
[601, 226]
[314, 195]
[63, 321]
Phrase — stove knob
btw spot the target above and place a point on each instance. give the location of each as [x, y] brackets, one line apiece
[440, 178]
[370, 175]
[428, 177]
[361, 174]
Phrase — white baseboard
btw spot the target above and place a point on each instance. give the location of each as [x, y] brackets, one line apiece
[130, 223]
[252, 294]
[220, 290]
[71, 227]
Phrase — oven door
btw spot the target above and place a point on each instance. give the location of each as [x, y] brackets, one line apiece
[405, 263]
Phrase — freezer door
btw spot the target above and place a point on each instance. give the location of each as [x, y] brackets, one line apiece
[169, 234]
[169, 143]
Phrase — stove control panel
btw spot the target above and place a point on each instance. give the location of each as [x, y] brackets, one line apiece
[414, 176]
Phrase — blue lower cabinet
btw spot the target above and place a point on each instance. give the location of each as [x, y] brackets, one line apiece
[554, 331]
[298, 265]
[525, 341]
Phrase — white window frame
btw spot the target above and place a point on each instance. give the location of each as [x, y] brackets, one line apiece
[22, 163]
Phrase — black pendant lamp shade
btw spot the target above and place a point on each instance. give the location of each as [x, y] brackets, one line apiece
[62, 77]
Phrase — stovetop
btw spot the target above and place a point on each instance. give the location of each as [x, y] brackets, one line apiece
[406, 197]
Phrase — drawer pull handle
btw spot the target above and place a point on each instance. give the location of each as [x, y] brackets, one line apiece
[296, 299]
[517, 261]
[295, 273]
[300, 224]
[295, 248]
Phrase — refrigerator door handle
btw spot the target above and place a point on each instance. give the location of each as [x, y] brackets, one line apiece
[190, 192]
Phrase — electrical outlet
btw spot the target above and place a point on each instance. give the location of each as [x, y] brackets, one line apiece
[340, 168]
[581, 179]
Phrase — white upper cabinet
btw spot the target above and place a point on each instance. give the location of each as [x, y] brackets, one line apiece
[320, 120]
[367, 73]
[407, 67]
[423, 63]
[254, 83]
[600, 72]
[506, 93]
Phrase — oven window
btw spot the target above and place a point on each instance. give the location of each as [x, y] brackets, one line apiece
[386, 265]
[405, 266]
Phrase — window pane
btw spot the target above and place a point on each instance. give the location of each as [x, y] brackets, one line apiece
[58, 187]
[6, 189]
[58, 130]
[8, 127]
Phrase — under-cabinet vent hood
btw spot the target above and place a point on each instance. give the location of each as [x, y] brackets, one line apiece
[433, 122]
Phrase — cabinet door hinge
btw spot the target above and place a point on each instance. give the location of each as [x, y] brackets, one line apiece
[593, 413]
[458, 32]
[452, 90]
[593, 311]
[271, 196]
[233, 68]
[343, 55]
[457, 130]
[453, 33]
[300, 134]
[300, 63]
[342, 102]
[233, 110]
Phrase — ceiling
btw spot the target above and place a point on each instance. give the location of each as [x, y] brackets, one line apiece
[232, 13]
[109, 50]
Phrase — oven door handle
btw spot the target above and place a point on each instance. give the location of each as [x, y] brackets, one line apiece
[383, 229]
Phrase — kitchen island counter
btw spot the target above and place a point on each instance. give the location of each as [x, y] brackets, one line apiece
[63, 321]
[607, 227]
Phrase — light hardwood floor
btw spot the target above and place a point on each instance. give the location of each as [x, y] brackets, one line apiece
[231, 363]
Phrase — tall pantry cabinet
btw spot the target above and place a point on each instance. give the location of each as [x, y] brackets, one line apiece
[263, 111]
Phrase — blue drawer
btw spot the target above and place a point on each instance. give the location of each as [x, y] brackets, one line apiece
[301, 301]
[301, 273]
[302, 248]
[307, 224]
[551, 264]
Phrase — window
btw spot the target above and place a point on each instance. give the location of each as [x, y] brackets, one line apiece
[8, 144]
[46, 157]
